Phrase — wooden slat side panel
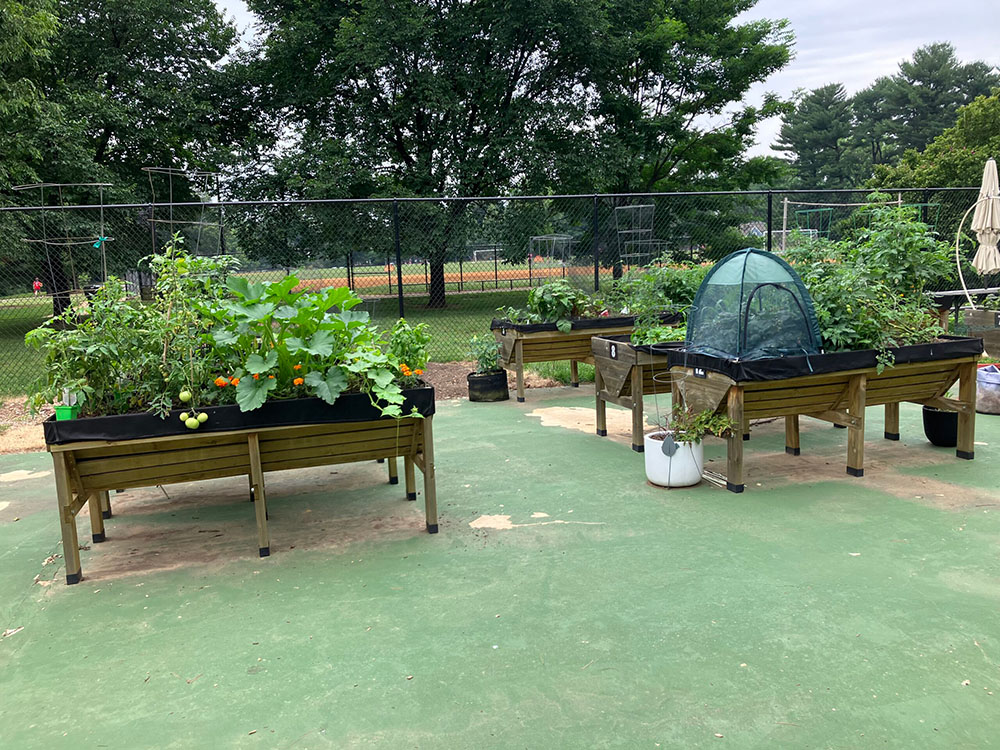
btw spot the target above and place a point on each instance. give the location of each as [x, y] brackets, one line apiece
[304, 462]
[379, 448]
[827, 390]
[135, 448]
[187, 472]
[334, 428]
[89, 467]
[843, 376]
[403, 434]
[881, 397]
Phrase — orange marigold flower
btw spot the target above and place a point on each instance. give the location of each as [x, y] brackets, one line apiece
[256, 376]
[270, 377]
[418, 371]
[297, 367]
[298, 381]
[221, 382]
[234, 381]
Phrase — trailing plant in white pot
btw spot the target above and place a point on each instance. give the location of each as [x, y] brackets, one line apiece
[675, 456]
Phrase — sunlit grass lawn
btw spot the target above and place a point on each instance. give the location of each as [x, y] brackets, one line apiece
[19, 365]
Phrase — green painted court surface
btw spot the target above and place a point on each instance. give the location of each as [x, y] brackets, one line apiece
[813, 611]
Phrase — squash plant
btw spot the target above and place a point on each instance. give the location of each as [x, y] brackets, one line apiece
[282, 342]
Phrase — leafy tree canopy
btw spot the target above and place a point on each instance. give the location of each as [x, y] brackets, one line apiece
[956, 157]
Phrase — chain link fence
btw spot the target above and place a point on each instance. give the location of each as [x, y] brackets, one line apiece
[449, 263]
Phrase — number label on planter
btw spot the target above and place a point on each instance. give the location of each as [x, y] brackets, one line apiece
[996, 320]
[699, 372]
[503, 331]
[613, 351]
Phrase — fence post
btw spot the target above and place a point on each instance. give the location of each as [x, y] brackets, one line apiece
[399, 255]
[770, 216]
[597, 248]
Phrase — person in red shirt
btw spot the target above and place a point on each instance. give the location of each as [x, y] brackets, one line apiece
[37, 286]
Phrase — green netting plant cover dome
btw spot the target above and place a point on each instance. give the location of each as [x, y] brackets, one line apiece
[752, 305]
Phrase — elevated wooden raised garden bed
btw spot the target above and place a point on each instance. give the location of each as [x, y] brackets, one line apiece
[522, 343]
[623, 374]
[94, 455]
[833, 387]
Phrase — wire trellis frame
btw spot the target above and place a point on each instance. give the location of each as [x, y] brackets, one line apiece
[205, 184]
[67, 240]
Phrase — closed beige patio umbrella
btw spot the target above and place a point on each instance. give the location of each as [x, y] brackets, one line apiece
[986, 222]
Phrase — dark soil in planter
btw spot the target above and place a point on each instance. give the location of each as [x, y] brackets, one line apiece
[488, 386]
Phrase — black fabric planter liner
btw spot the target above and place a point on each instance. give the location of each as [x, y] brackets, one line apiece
[578, 324]
[349, 407]
[780, 368]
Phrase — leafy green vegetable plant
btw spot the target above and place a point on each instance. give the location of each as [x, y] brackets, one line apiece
[211, 338]
[690, 426]
[486, 354]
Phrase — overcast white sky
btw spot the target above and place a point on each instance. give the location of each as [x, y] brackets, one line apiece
[848, 41]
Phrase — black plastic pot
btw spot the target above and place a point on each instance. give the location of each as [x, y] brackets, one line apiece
[488, 386]
[941, 427]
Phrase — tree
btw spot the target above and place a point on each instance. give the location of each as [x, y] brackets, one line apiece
[28, 28]
[816, 134]
[443, 98]
[955, 157]
[874, 128]
[452, 98]
[145, 80]
[924, 95]
[669, 79]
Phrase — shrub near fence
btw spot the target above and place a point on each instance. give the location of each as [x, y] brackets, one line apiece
[447, 262]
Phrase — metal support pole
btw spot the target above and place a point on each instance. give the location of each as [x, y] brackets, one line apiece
[399, 255]
[770, 226]
[597, 248]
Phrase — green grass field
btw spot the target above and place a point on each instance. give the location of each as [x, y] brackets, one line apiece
[19, 365]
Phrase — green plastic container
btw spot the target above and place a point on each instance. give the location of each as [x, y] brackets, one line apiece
[67, 412]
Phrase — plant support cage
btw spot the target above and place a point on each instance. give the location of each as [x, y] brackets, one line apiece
[752, 305]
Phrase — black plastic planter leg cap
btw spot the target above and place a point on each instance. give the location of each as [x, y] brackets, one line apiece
[855, 472]
[265, 551]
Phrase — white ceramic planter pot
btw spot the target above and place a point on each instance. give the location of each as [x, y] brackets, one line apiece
[682, 469]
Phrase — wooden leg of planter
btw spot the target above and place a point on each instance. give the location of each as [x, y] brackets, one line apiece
[393, 470]
[430, 486]
[519, 369]
[96, 518]
[967, 419]
[260, 497]
[892, 421]
[411, 481]
[734, 452]
[67, 519]
[637, 417]
[105, 504]
[856, 391]
[574, 373]
[602, 408]
[792, 434]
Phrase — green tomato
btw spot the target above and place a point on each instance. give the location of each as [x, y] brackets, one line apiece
[203, 417]
[184, 396]
[184, 416]
[192, 423]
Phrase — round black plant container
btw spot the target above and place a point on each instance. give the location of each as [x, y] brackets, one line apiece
[941, 427]
[488, 386]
